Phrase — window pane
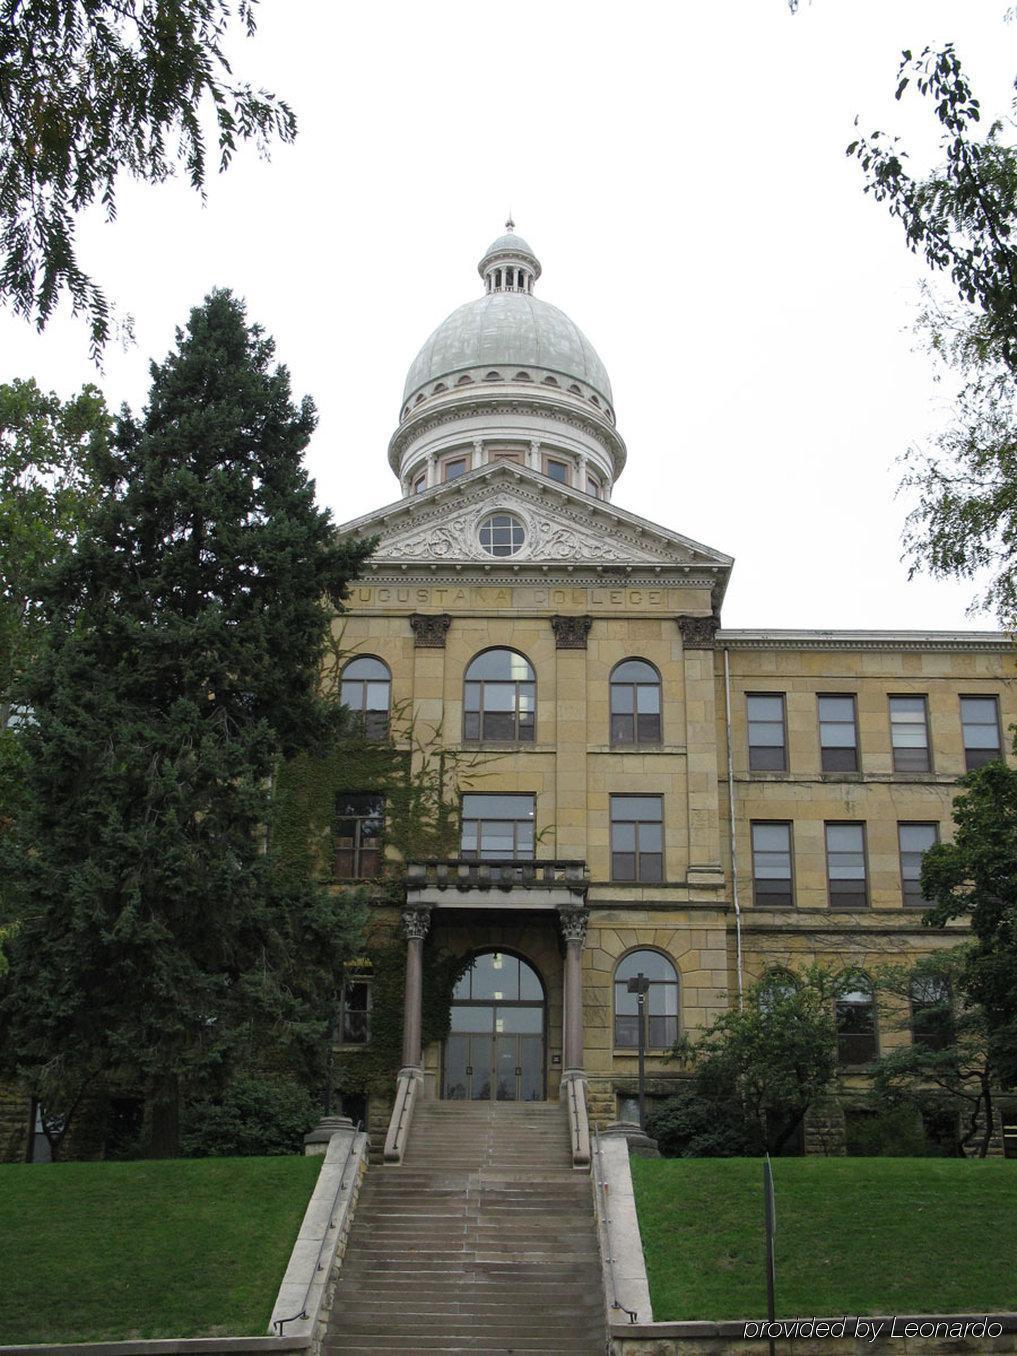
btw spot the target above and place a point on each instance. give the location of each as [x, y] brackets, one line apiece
[838, 736]
[626, 1032]
[981, 737]
[623, 697]
[766, 759]
[844, 837]
[633, 671]
[623, 729]
[917, 837]
[765, 734]
[500, 664]
[771, 837]
[495, 806]
[651, 866]
[652, 964]
[648, 699]
[623, 837]
[766, 708]
[837, 709]
[649, 729]
[623, 866]
[366, 667]
[636, 807]
[979, 710]
[377, 696]
[662, 1031]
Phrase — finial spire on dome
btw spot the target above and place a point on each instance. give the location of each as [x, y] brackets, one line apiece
[509, 264]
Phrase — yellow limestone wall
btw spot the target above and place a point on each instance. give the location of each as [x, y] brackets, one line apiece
[572, 769]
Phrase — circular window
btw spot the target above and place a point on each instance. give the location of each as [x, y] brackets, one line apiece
[501, 534]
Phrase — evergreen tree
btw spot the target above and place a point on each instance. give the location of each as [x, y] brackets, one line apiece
[162, 939]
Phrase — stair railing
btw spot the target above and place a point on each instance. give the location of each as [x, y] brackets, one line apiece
[603, 1197]
[402, 1115]
[280, 1323]
[579, 1122]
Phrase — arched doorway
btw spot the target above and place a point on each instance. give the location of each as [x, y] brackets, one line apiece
[495, 1048]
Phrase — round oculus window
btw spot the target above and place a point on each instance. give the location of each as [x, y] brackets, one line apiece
[501, 534]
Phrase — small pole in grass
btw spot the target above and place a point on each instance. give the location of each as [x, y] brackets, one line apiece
[770, 1228]
[640, 986]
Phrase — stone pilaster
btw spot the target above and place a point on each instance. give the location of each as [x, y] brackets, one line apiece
[698, 639]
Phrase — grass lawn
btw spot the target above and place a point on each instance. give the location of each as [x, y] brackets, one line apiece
[854, 1236]
[174, 1248]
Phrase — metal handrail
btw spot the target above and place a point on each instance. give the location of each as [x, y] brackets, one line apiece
[280, 1322]
[602, 1186]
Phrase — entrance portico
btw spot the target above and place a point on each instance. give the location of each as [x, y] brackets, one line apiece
[521, 1037]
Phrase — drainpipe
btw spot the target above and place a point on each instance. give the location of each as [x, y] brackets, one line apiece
[731, 817]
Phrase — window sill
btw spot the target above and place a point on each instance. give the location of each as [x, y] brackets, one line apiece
[632, 1052]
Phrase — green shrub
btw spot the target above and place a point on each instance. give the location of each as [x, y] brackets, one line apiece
[895, 1132]
[255, 1116]
[688, 1126]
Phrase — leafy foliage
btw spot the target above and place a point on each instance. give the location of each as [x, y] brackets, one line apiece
[163, 940]
[947, 1063]
[757, 1069]
[975, 877]
[960, 219]
[253, 1117]
[94, 89]
[49, 456]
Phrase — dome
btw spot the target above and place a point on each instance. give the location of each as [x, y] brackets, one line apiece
[508, 329]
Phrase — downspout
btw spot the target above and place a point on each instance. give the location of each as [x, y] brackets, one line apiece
[731, 818]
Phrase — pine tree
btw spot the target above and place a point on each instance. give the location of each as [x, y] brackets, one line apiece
[162, 939]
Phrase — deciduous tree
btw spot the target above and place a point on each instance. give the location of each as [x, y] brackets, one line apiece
[94, 90]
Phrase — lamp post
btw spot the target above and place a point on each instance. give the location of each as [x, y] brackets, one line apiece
[640, 986]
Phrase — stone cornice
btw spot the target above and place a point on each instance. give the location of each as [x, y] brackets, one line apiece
[942, 641]
[555, 576]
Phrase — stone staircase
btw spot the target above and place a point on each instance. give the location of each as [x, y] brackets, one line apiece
[482, 1240]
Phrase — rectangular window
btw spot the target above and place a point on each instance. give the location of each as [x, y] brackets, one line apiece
[355, 1010]
[915, 841]
[498, 828]
[838, 734]
[980, 723]
[557, 470]
[360, 820]
[594, 487]
[420, 483]
[637, 838]
[771, 865]
[454, 468]
[845, 866]
[909, 734]
[767, 738]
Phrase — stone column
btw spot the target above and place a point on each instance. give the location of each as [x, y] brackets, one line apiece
[573, 927]
[415, 925]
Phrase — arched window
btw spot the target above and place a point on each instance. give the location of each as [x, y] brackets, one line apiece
[500, 698]
[661, 1007]
[931, 1012]
[635, 703]
[367, 691]
[856, 1024]
[776, 986]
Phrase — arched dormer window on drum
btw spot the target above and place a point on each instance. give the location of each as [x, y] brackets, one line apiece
[499, 699]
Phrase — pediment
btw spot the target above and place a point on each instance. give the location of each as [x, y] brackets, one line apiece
[560, 527]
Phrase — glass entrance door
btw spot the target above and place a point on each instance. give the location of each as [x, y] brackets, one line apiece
[495, 1049]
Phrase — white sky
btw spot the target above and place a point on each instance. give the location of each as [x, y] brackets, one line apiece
[679, 169]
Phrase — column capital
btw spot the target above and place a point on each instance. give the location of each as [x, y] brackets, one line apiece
[429, 629]
[570, 633]
[416, 923]
[573, 924]
[698, 633]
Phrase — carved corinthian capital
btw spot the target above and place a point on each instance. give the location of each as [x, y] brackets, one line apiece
[570, 632]
[698, 633]
[573, 924]
[430, 629]
[416, 923]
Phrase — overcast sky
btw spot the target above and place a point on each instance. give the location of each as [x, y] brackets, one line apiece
[678, 168]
